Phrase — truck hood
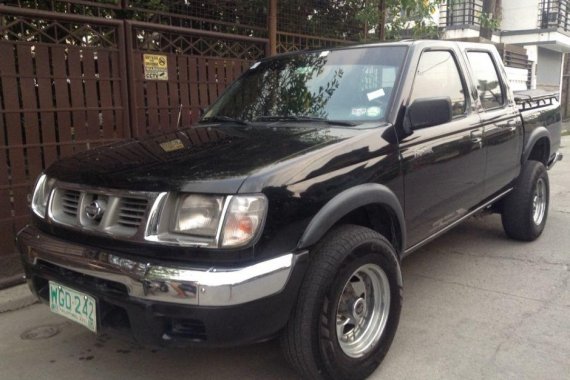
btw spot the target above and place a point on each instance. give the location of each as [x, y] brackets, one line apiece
[209, 158]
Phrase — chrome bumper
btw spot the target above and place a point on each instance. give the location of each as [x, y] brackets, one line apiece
[208, 286]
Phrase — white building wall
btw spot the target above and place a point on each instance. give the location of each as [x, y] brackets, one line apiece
[517, 78]
[519, 14]
[460, 33]
[548, 69]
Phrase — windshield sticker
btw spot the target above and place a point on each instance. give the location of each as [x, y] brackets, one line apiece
[254, 65]
[324, 53]
[375, 94]
[358, 111]
[172, 145]
[373, 112]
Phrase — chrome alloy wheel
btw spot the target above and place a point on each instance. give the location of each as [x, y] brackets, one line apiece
[539, 202]
[362, 310]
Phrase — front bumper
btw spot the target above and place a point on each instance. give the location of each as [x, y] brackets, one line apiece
[156, 296]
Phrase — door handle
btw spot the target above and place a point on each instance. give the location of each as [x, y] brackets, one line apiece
[512, 125]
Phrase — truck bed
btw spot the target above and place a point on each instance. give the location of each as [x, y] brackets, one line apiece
[530, 99]
[540, 108]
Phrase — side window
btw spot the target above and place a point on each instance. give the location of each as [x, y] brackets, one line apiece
[488, 84]
[437, 76]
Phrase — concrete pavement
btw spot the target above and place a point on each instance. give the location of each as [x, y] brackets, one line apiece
[476, 306]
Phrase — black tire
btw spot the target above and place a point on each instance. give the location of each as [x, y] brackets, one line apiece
[518, 214]
[309, 340]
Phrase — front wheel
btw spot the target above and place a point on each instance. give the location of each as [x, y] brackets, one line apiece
[525, 209]
[348, 308]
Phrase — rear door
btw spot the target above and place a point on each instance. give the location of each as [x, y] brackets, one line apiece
[502, 125]
[444, 164]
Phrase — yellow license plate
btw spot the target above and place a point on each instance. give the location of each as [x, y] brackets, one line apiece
[77, 306]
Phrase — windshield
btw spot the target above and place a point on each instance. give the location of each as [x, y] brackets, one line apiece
[348, 85]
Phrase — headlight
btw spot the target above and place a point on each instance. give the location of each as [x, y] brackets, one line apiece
[43, 188]
[212, 221]
[199, 215]
[243, 219]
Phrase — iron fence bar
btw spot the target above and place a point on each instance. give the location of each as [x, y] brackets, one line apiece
[272, 28]
[60, 143]
[206, 33]
[98, 4]
[134, 126]
[194, 18]
[60, 109]
[289, 34]
[124, 59]
[37, 13]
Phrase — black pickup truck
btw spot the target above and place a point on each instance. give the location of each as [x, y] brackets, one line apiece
[288, 209]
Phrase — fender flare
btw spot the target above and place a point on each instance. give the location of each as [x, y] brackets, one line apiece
[535, 135]
[347, 201]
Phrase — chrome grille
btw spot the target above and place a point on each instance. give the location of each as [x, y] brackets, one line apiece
[70, 202]
[132, 212]
[121, 214]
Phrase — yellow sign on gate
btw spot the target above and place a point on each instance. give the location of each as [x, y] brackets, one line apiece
[155, 67]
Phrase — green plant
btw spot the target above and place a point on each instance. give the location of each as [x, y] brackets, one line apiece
[399, 17]
[488, 21]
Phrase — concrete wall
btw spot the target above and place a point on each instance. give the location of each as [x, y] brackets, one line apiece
[548, 69]
[519, 14]
[454, 34]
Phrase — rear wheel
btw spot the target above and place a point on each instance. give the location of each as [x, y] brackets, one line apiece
[525, 209]
[348, 308]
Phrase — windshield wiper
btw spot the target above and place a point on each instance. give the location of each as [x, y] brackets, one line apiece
[224, 119]
[303, 119]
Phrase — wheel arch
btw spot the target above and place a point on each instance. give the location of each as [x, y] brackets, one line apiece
[371, 205]
[537, 147]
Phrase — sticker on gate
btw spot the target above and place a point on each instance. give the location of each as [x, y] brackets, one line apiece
[155, 66]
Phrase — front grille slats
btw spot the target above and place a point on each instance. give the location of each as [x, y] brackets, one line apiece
[123, 214]
[132, 212]
[127, 209]
[70, 202]
[129, 223]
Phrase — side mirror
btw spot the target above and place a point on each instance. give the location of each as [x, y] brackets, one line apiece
[427, 112]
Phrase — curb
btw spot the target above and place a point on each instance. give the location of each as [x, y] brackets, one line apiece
[8, 282]
[15, 298]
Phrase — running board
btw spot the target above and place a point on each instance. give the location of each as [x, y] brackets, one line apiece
[450, 226]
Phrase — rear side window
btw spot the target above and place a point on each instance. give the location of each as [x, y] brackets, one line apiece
[437, 76]
[488, 84]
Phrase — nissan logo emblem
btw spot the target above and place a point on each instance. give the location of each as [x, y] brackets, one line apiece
[95, 209]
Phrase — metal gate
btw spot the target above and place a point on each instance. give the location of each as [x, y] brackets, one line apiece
[77, 74]
[198, 66]
[70, 83]
[62, 90]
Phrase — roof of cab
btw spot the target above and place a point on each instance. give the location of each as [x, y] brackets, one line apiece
[408, 42]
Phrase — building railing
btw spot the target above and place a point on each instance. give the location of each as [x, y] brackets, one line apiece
[553, 14]
[461, 13]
